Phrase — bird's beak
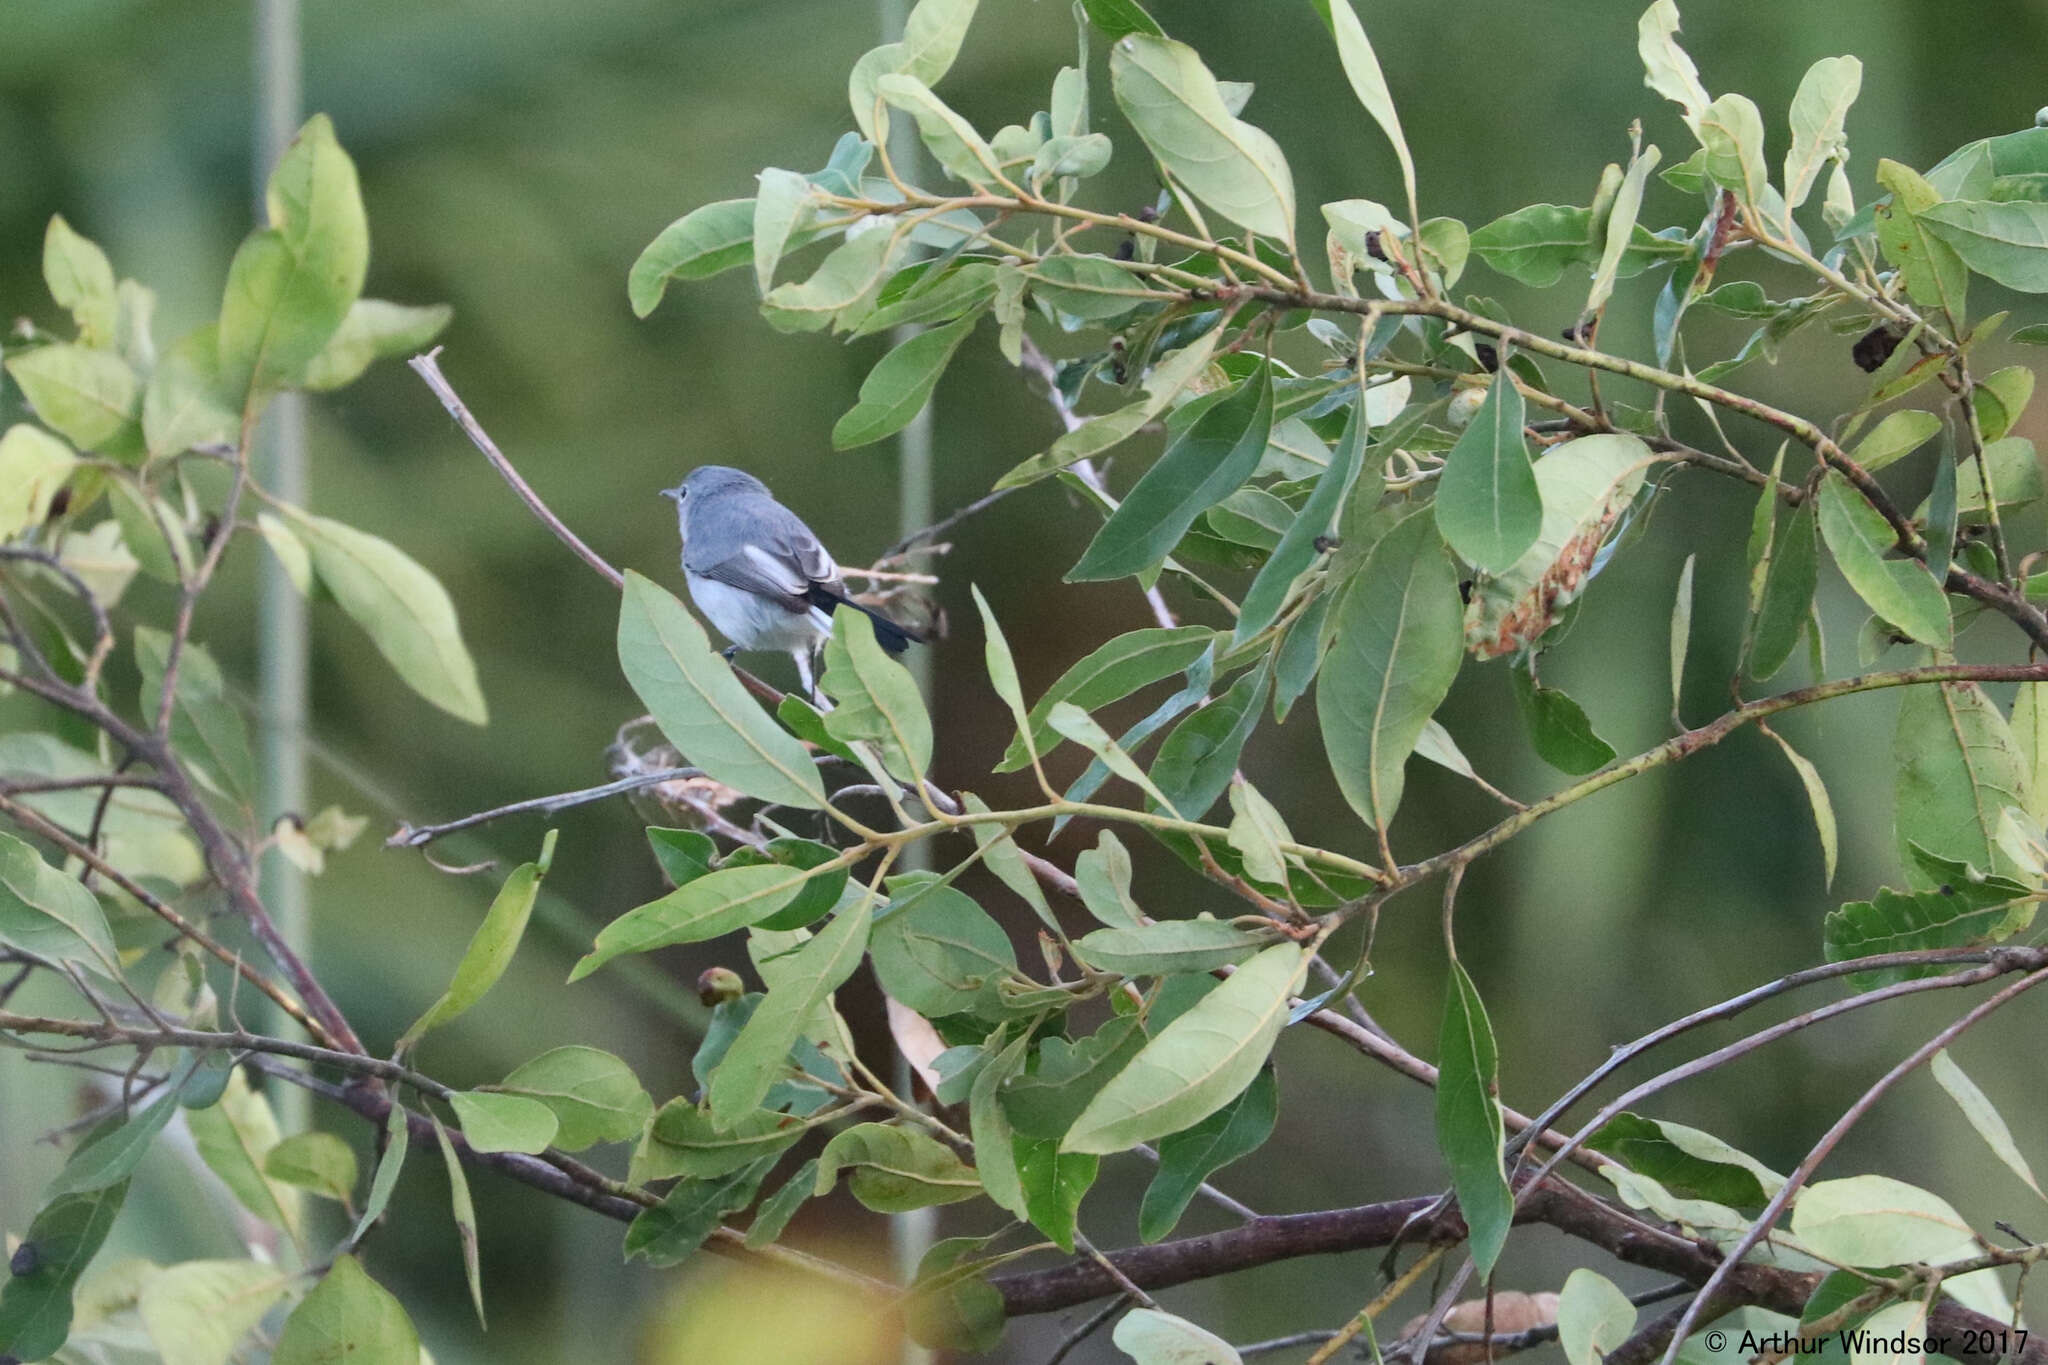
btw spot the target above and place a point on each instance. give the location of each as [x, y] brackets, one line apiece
[673, 494]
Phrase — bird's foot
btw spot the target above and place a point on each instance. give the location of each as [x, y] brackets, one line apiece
[729, 653]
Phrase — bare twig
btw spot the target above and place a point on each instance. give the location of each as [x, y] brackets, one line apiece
[409, 835]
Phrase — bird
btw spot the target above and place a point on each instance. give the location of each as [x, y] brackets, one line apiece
[759, 574]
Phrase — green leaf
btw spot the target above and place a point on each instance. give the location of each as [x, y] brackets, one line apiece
[1103, 874]
[196, 1313]
[206, 728]
[818, 897]
[403, 608]
[1897, 436]
[384, 1180]
[2000, 397]
[1670, 72]
[1191, 1156]
[1873, 1220]
[1200, 467]
[291, 285]
[936, 950]
[1788, 588]
[1593, 1317]
[1301, 543]
[684, 1141]
[1368, 82]
[1731, 132]
[1398, 645]
[701, 706]
[1188, 945]
[1054, 1184]
[1198, 1063]
[1077, 156]
[1901, 591]
[926, 296]
[595, 1096]
[1558, 726]
[1687, 1162]
[90, 397]
[1681, 636]
[1165, 382]
[2030, 736]
[841, 290]
[1196, 761]
[1109, 673]
[952, 141]
[999, 852]
[33, 466]
[504, 1123]
[1958, 767]
[463, 1210]
[1958, 915]
[1621, 226]
[320, 1162]
[670, 1231]
[372, 330]
[81, 281]
[186, 403]
[897, 389]
[1983, 1116]
[1044, 1103]
[1487, 504]
[1075, 724]
[780, 205]
[348, 1316]
[776, 1210]
[2015, 477]
[1817, 799]
[35, 1310]
[45, 911]
[757, 1057]
[1934, 272]
[932, 33]
[1820, 109]
[1259, 833]
[703, 242]
[1117, 17]
[1172, 100]
[1002, 668]
[1468, 1120]
[1151, 1337]
[1086, 288]
[878, 700]
[995, 1142]
[151, 531]
[235, 1138]
[490, 948]
[895, 1170]
[1534, 245]
[714, 904]
[2004, 242]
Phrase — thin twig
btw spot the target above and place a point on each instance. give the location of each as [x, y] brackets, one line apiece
[409, 835]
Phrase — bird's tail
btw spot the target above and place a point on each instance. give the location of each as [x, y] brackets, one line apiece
[890, 635]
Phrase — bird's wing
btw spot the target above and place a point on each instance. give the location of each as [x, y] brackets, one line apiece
[781, 558]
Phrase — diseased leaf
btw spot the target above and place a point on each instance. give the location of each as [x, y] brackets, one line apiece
[490, 948]
[1173, 101]
[1196, 1065]
[1191, 1156]
[701, 706]
[1469, 1128]
[1396, 653]
[1587, 485]
[1901, 591]
[401, 606]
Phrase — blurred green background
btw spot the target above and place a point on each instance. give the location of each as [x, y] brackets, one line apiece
[516, 155]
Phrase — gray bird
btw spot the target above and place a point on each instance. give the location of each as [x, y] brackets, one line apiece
[759, 573]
